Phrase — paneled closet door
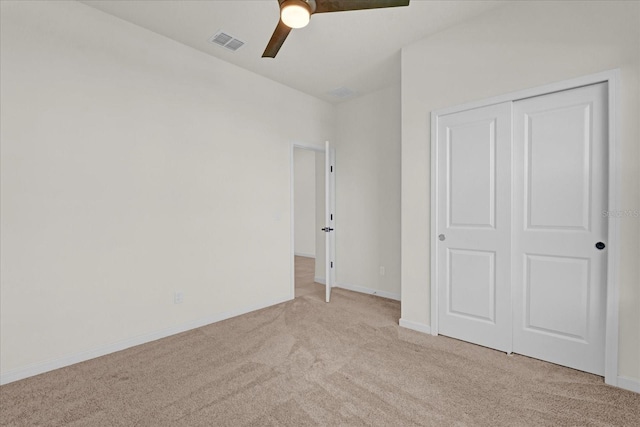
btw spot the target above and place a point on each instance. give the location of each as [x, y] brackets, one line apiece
[474, 194]
[559, 226]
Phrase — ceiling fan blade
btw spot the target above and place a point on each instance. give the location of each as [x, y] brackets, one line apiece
[279, 36]
[324, 6]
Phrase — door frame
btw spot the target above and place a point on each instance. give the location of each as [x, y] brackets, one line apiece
[318, 148]
[612, 77]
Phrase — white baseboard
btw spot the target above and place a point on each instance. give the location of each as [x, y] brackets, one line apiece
[416, 326]
[629, 383]
[362, 289]
[320, 280]
[302, 254]
[50, 365]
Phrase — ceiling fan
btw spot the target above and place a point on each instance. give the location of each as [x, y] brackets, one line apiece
[296, 14]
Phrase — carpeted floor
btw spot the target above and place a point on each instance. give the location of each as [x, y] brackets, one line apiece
[306, 362]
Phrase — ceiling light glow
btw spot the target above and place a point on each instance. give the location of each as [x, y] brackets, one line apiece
[295, 13]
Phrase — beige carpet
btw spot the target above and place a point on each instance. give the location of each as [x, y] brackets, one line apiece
[305, 362]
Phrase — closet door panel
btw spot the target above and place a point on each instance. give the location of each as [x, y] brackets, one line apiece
[473, 225]
[560, 193]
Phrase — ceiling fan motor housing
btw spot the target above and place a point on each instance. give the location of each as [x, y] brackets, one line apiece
[310, 4]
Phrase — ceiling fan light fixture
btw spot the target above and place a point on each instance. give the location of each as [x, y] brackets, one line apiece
[295, 13]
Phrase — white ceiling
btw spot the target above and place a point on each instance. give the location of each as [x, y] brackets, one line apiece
[356, 49]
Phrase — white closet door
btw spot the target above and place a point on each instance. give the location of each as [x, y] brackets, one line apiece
[474, 178]
[560, 194]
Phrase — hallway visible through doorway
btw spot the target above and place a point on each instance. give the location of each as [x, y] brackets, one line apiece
[305, 272]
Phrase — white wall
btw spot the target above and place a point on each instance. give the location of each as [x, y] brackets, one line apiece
[517, 46]
[133, 166]
[304, 189]
[368, 192]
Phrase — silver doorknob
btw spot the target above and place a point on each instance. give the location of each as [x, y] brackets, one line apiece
[441, 237]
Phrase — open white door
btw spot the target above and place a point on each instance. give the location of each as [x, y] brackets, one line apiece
[329, 192]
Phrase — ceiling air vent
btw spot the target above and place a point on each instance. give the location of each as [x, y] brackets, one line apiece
[225, 40]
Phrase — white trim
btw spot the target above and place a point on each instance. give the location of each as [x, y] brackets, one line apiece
[434, 224]
[612, 77]
[613, 257]
[604, 76]
[71, 359]
[369, 291]
[512, 219]
[305, 255]
[630, 384]
[293, 146]
[320, 280]
[420, 327]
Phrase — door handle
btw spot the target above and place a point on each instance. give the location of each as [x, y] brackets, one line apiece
[600, 245]
[326, 229]
[441, 237]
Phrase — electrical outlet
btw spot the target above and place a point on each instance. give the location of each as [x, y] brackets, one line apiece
[178, 297]
[382, 271]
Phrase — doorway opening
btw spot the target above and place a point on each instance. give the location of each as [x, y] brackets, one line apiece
[312, 220]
